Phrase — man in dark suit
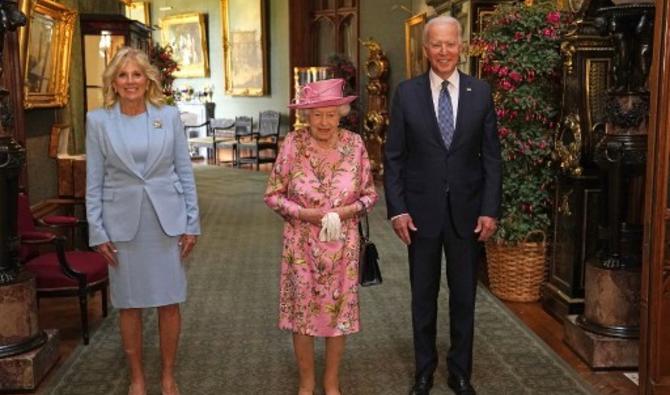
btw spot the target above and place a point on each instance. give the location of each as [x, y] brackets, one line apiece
[443, 183]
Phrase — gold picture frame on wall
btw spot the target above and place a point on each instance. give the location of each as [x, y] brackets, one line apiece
[415, 59]
[187, 35]
[46, 44]
[139, 11]
[245, 47]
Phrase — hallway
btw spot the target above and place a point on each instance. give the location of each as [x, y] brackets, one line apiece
[231, 345]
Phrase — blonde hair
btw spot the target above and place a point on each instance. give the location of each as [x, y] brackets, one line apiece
[124, 55]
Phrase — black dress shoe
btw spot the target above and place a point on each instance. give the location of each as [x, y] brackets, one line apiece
[460, 385]
[422, 386]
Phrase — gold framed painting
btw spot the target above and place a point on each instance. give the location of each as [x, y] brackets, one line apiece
[415, 60]
[139, 11]
[245, 47]
[187, 35]
[46, 44]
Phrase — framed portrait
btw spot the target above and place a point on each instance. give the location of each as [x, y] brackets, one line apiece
[415, 60]
[139, 11]
[187, 35]
[245, 47]
[46, 45]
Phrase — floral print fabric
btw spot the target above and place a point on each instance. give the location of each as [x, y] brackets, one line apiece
[319, 280]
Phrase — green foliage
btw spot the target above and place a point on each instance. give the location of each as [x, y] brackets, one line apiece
[519, 50]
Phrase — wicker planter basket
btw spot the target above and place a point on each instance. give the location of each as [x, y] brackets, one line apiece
[516, 271]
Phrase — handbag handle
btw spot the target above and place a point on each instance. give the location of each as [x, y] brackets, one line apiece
[364, 229]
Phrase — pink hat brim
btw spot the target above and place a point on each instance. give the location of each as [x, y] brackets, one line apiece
[324, 103]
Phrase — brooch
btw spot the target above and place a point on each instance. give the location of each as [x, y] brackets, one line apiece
[157, 124]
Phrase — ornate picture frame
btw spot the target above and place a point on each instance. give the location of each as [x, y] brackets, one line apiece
[415, 59]
[46, 46]
[187, 35]
[139, 11]
[245, 47]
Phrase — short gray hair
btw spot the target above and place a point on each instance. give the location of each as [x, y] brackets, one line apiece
[442, 20]
[342, 110]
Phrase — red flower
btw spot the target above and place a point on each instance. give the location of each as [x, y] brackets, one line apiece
[530, 75]
[515, 76]
[505, 84]
[554, 17]
[549, 32]
[518, 36]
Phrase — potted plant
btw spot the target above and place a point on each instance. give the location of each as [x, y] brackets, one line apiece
[519, 51]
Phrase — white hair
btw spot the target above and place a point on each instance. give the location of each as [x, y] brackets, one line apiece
[441, 21]
[342, 110]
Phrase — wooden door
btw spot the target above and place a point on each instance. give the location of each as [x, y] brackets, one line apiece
[655, 297]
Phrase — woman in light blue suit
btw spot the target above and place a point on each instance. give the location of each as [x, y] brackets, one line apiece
[141, 206]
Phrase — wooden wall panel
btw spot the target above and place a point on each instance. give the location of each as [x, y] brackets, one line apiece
[655, 302]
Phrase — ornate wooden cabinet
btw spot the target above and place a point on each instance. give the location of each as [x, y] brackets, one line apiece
[586, 65]
[102, 35]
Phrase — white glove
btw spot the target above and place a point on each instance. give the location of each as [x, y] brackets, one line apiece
[331, 227]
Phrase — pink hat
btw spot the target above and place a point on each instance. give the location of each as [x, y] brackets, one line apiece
[324, 93]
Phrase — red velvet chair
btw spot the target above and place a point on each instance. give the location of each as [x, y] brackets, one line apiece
[61, 273]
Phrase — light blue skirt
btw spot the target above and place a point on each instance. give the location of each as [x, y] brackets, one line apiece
[150, 272]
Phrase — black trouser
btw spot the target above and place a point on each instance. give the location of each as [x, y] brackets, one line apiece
[425, 261]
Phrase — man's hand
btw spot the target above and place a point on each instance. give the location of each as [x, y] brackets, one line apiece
[402, 225]
[486, 227]
[108, 251]
[186, 244]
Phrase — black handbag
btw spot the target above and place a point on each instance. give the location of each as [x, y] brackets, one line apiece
[368, 269]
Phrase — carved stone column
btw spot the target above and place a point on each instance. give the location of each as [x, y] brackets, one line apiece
[26, 352]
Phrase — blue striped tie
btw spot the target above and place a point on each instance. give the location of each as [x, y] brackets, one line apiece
[445, 115]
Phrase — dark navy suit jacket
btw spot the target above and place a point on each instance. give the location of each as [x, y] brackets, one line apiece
[420, 173]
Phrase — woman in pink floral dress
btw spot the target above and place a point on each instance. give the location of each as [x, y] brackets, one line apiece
[319, 170]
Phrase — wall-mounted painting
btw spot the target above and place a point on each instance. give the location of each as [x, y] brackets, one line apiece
[415, 60]
[245, 47]
[46, 44]
[187, 35]
[139, 11]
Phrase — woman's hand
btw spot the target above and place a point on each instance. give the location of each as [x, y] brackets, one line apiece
[186, 244]
[346, 212]
[108, 251]
[311, 215]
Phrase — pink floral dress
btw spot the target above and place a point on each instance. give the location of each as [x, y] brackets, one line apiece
[319, 280]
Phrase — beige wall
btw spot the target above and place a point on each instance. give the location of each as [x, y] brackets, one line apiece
[378, 19]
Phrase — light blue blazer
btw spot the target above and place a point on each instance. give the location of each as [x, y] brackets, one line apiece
[115, 186]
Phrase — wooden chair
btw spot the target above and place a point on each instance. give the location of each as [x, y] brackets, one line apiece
[264, 140]
[61, 273]
[244, 134]
[223, 136]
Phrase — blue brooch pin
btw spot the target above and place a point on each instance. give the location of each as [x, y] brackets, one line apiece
[157, 124]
